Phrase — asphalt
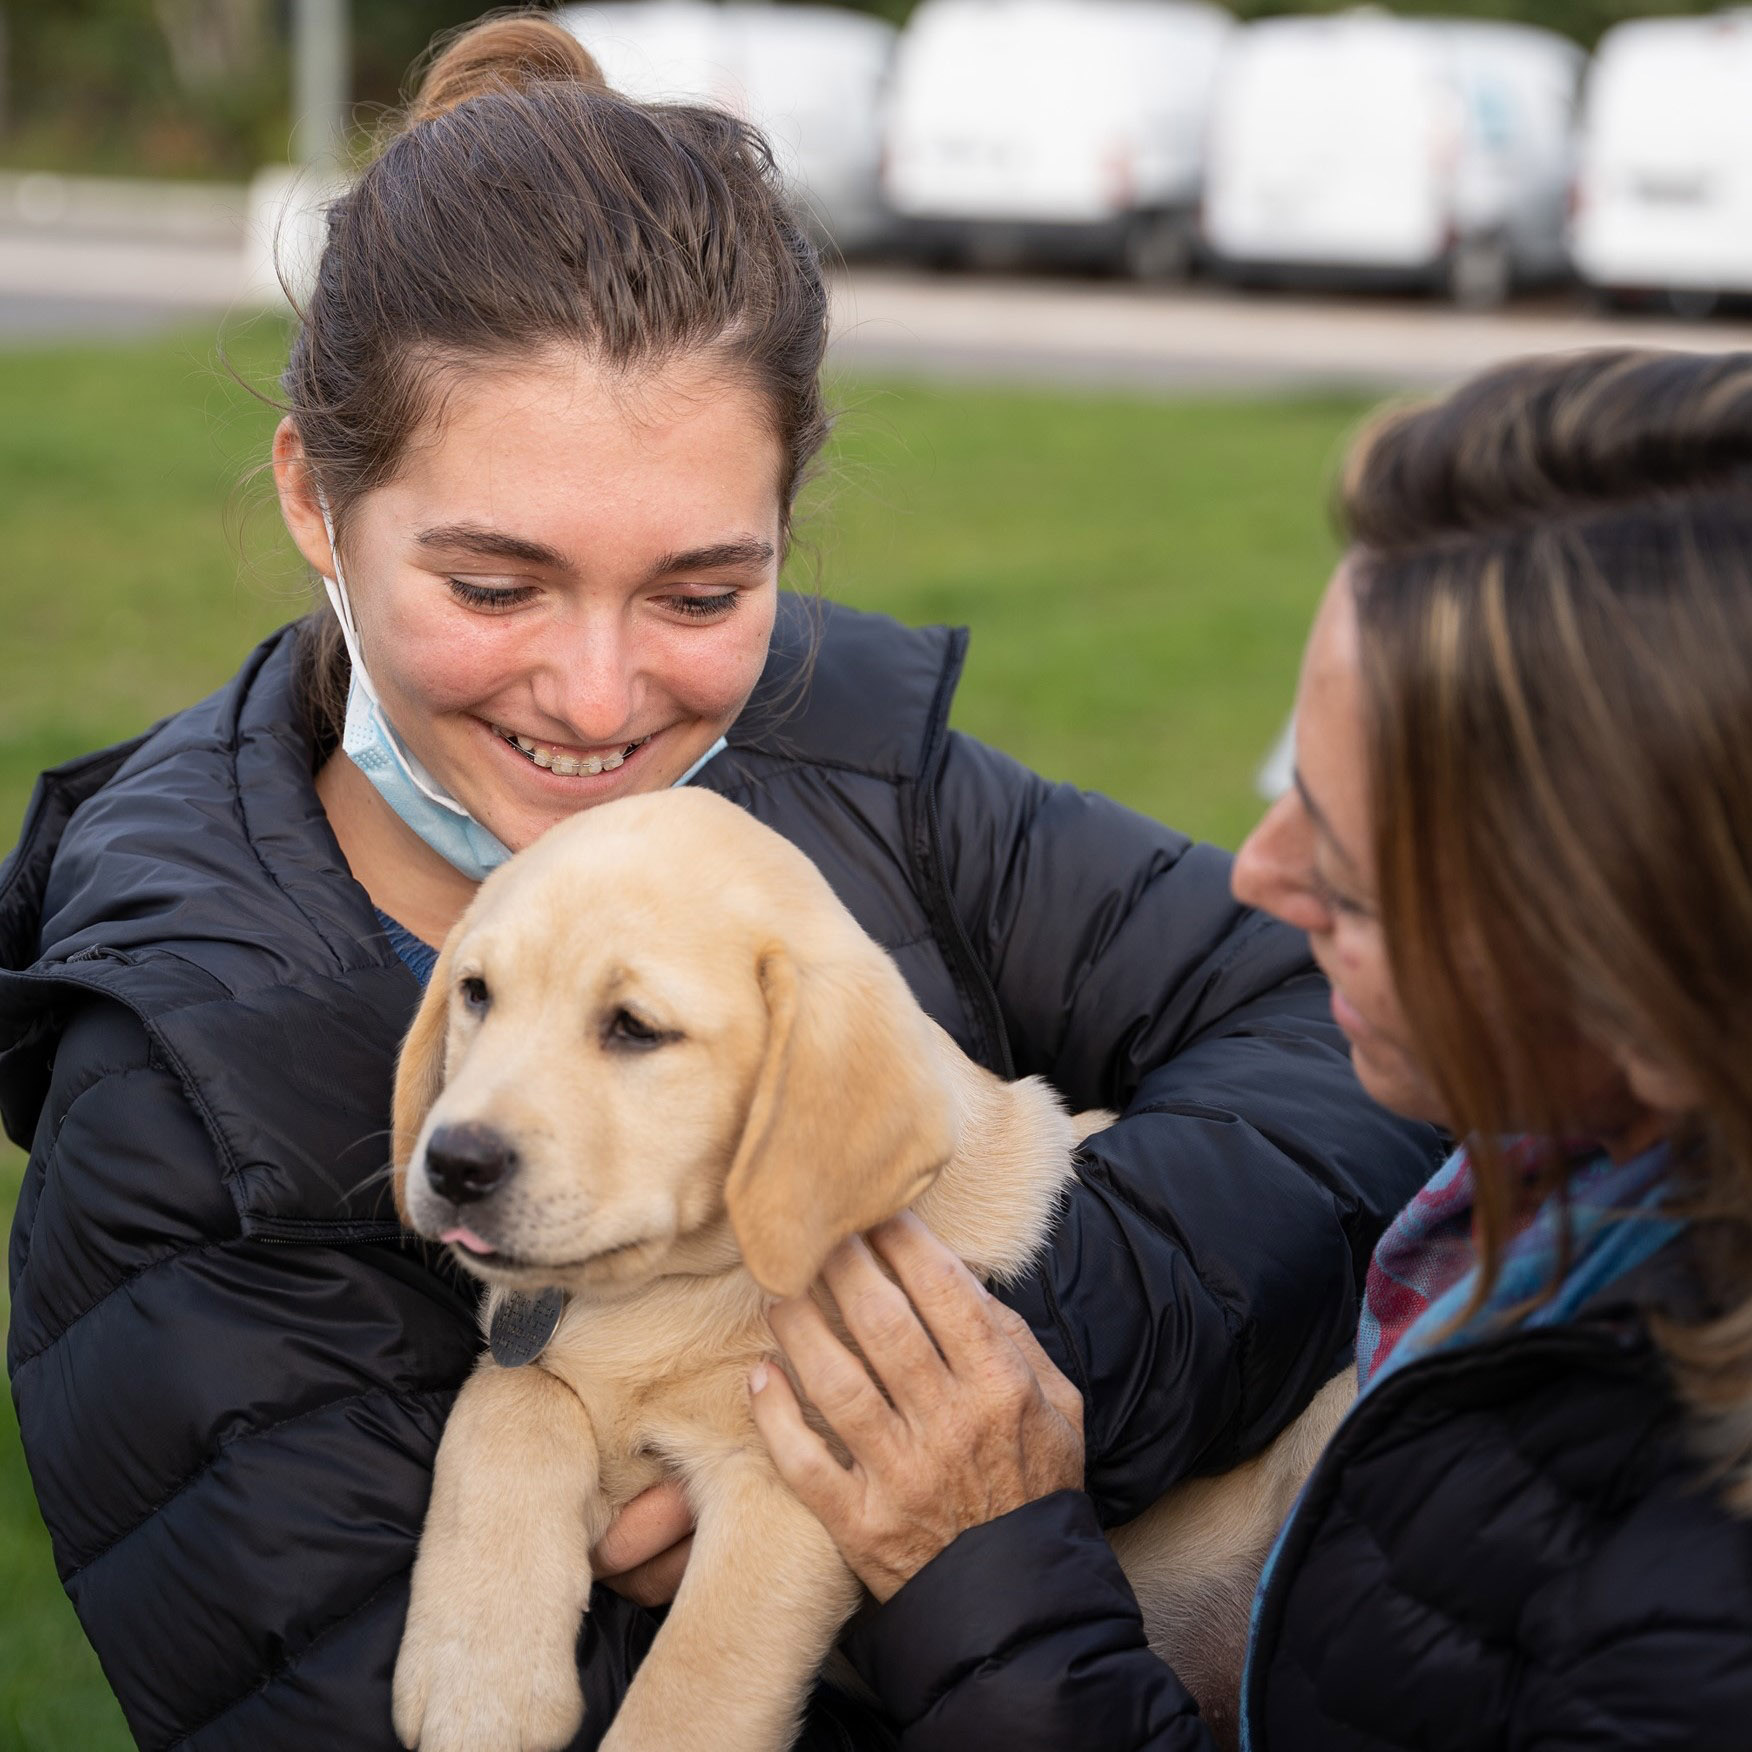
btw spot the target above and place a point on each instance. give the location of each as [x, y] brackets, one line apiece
[1210, 338]
[61, 285]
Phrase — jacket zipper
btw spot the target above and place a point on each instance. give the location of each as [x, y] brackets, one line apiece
[965, 967]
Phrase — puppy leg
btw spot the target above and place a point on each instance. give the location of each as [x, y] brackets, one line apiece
[1194, 1556]
[764, 1596]
[487, 1660]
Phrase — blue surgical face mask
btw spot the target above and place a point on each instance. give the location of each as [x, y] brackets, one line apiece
[370, 742]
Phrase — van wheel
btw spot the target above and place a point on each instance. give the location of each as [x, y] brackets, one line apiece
[1158, 248]
[1691, 305]
[1477, 274]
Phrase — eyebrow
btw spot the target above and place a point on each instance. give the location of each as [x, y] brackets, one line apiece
[496, 544]
[1322, 825]
[490, 544]
[719, 557]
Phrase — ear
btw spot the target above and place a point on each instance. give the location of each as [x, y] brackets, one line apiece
[296, 487]
[851, 1118]
[419, 1074]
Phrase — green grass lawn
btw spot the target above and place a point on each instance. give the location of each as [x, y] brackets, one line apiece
[1138, 575]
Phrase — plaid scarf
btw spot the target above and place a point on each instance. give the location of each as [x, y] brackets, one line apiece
[1423, 1273]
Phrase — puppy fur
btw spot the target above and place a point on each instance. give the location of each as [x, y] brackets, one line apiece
[706, 1076]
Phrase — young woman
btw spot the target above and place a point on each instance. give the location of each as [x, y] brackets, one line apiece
[547, 414]
[1520, 840]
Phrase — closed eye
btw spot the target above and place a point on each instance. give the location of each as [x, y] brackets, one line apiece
[483, 596]
[624, 1031]
[1334, 900]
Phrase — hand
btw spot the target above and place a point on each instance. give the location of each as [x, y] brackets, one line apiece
[977, 1420]
[645, 1550]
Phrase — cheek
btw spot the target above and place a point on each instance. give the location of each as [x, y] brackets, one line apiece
[712, 674]
[1358, 961]
[444, 661]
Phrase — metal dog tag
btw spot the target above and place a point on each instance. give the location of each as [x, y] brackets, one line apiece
[522, 1326]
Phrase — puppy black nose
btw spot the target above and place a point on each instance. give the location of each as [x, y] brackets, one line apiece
[466, 1162]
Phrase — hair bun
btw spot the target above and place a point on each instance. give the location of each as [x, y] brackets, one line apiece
[508, 53]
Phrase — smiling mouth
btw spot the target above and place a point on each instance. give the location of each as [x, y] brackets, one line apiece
[563, 762]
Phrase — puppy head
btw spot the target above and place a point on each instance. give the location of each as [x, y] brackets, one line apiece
[656, 1039]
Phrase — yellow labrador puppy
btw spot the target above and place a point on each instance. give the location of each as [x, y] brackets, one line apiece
[659, 1068]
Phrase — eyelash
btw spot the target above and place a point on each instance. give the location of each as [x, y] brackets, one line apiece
[705, 607]
[1333, 901]
[698, 608]
[481, 596]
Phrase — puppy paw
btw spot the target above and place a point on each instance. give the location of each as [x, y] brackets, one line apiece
[466, 1686]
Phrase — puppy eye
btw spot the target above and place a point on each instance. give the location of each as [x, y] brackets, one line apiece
[632, 1033]
[474, 992]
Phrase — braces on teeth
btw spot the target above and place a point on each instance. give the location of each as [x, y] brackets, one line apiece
[570, 766]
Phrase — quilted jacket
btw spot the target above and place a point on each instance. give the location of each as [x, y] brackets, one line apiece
[1510, 1546]
[231, 1366]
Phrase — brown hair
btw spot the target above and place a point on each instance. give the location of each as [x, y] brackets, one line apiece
[524, 205]
[1553, 577]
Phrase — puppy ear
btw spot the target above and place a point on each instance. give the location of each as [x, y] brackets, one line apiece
[851, 1118]
[419, 1074]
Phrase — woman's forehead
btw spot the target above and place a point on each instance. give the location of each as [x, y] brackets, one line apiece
[1331, 751]
[564, 455]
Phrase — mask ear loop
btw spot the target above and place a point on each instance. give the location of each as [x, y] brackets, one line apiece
[341, 603]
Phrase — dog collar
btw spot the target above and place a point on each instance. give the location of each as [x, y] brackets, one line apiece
[522, 1325]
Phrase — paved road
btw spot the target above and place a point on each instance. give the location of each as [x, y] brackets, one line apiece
[1131, 337]
[59, 286]
[56, 284]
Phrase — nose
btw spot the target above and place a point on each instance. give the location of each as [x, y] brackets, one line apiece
[590, 680]
[466, 1162]
[1275, 865]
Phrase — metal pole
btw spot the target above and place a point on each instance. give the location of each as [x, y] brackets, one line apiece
[319, 82]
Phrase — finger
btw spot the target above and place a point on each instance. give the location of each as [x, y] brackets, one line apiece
[896, 1346]
[803, 1460]
[657, 1582]
[1061, 1392]
[950, 1299]
[653, 1522]
[838, 1385]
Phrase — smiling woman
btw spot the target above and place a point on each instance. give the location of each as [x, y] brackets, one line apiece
[546, 417]
[566, 593]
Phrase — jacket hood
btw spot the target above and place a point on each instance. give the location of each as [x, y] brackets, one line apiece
[191, 876]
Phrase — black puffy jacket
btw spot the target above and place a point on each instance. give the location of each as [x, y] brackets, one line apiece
[232, 1368]
[1508, 1547]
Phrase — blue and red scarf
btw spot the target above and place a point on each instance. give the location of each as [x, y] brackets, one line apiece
[1605, 1222]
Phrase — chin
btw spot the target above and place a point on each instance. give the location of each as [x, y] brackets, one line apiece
[1395, 1084]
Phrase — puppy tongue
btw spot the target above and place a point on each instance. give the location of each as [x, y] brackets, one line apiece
[467, 1238]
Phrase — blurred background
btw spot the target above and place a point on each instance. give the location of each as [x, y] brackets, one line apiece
[1113, 282]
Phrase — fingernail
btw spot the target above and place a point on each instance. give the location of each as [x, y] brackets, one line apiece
[757, 1377]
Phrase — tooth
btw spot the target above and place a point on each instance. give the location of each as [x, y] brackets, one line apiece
[590, 764]
[524, 743]
[611, 762]
[565, 766]
[541, 757]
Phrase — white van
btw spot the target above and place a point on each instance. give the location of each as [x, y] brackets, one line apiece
[811, 78]
[1367, 147]
[1063, 128]
[1664, 190]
